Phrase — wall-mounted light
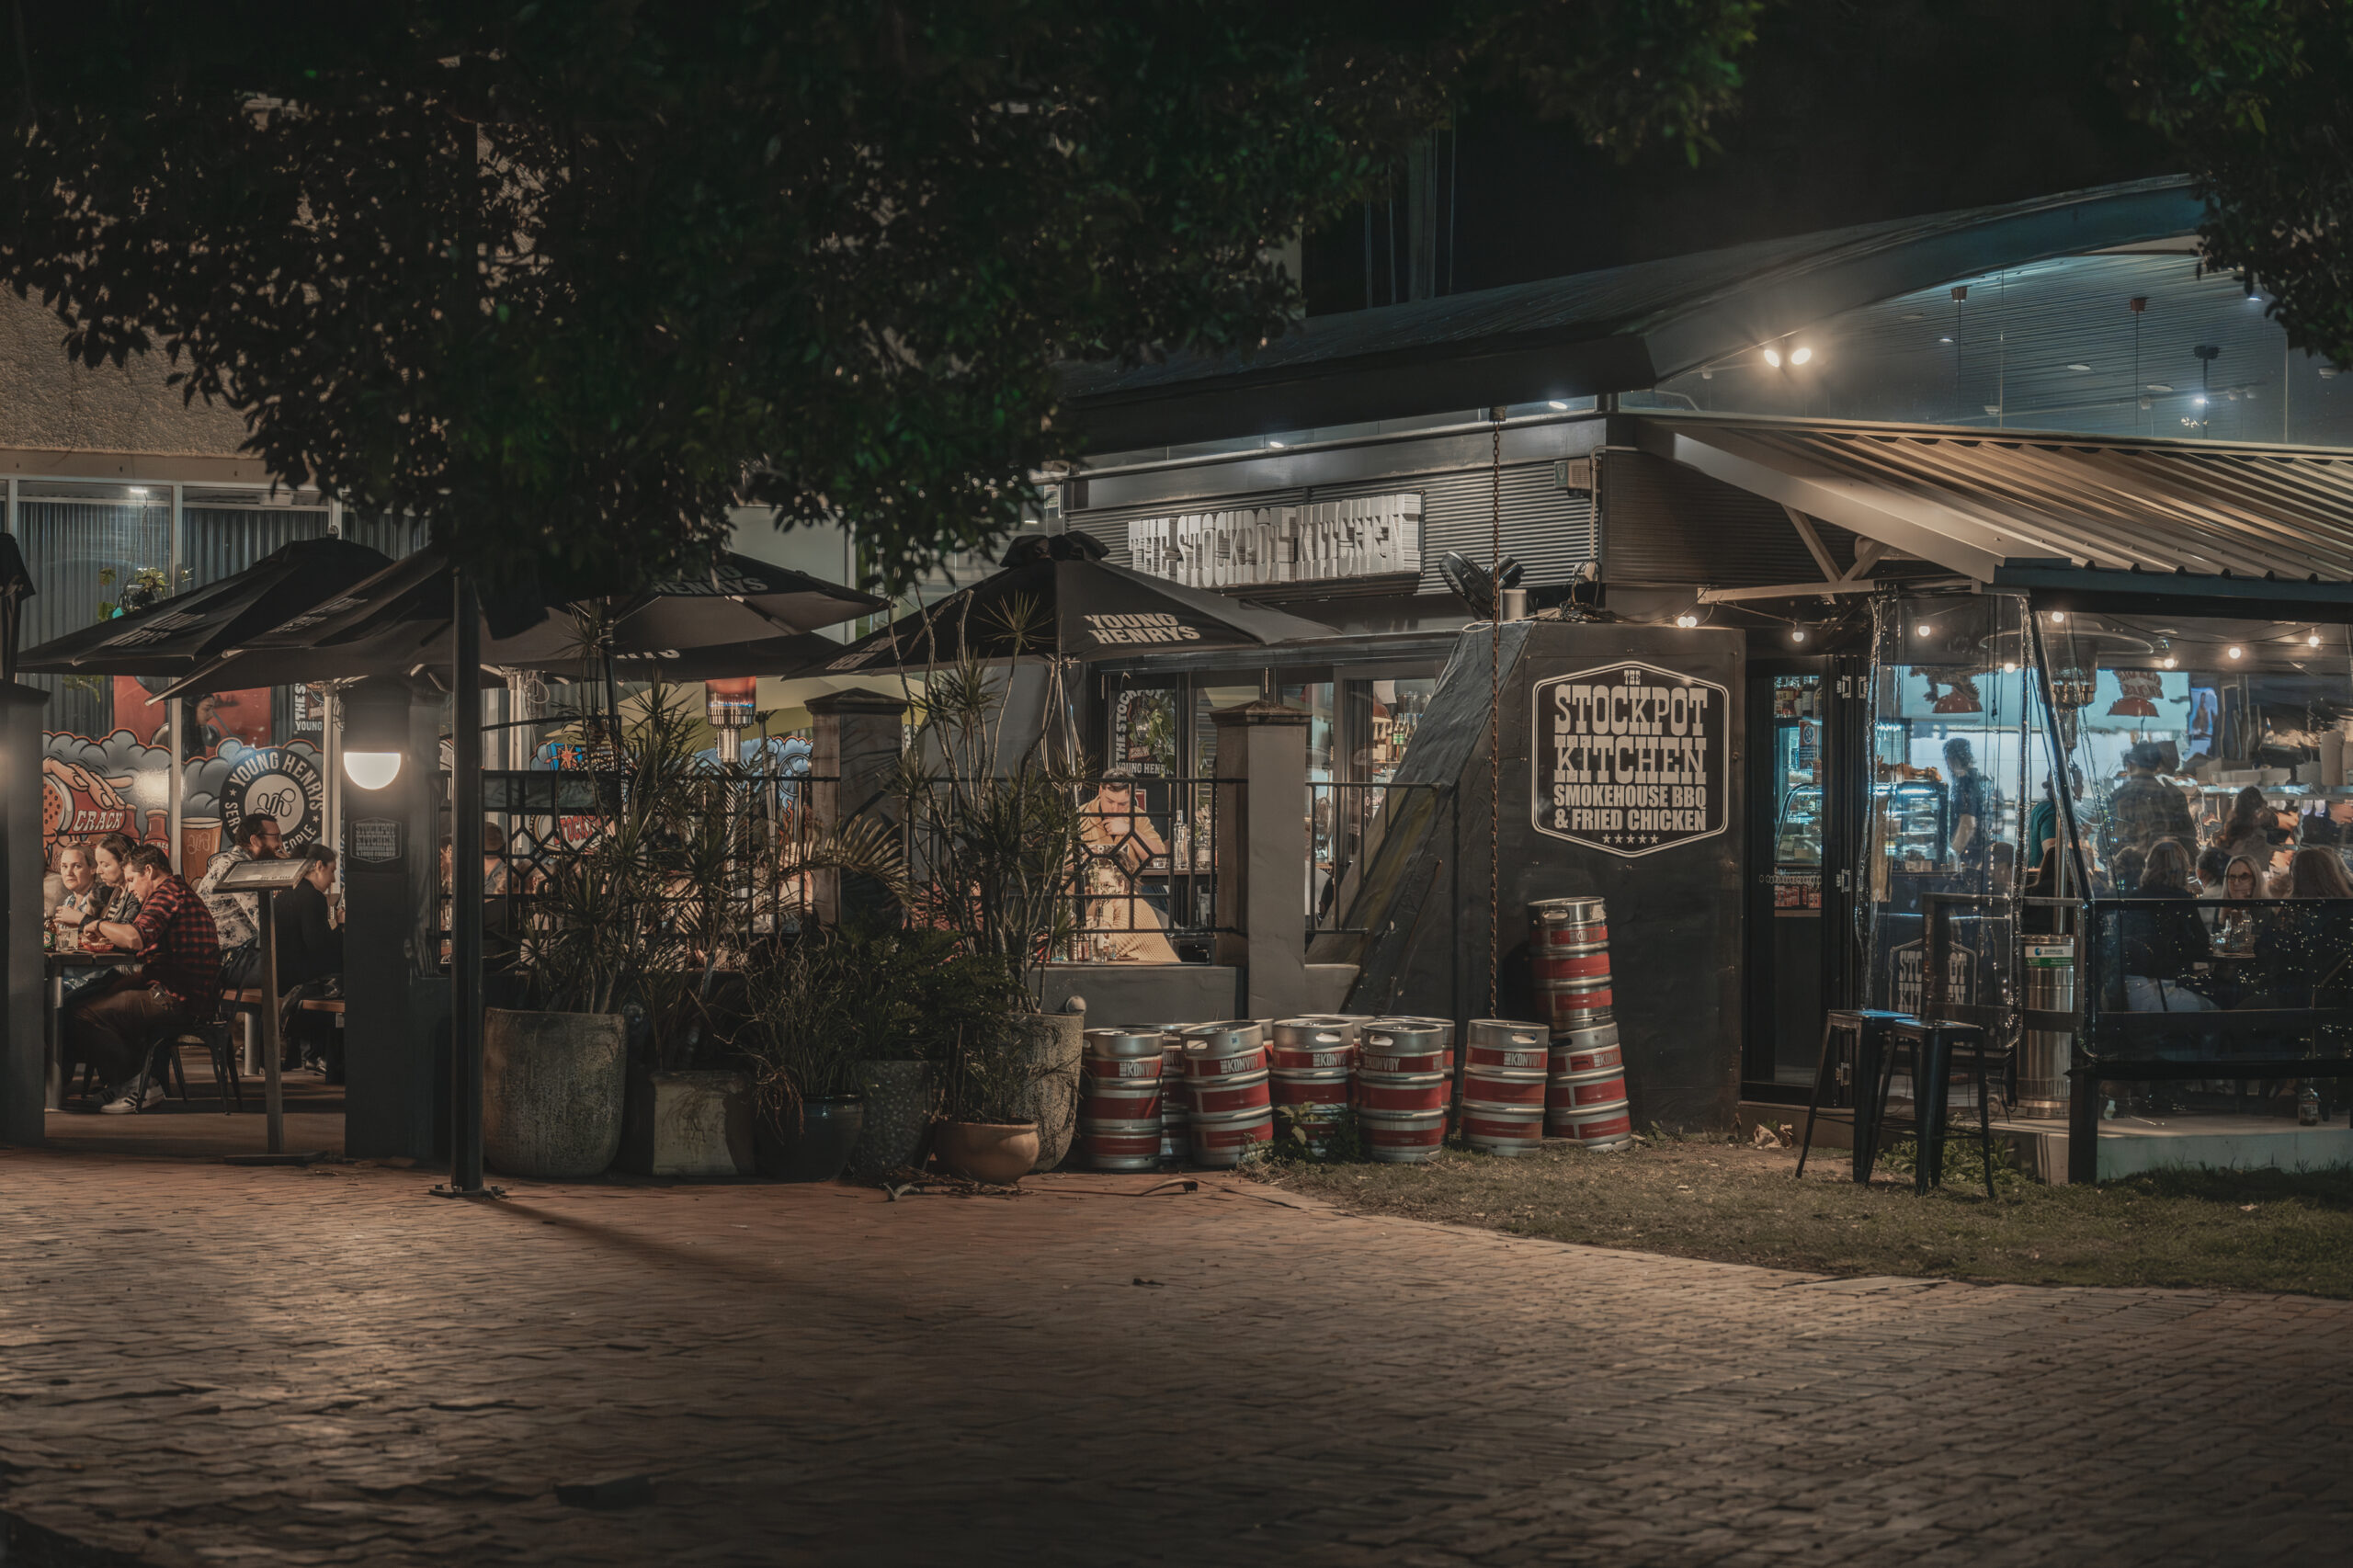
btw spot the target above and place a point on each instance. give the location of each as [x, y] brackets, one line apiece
[371, 769]
[375, 733]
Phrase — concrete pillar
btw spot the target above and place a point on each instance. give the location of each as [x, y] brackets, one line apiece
[22, 867]
[854, 762]
[1262, 849]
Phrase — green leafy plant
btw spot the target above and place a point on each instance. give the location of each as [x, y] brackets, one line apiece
[682, 876]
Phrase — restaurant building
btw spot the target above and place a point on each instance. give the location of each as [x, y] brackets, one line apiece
[1938, 501]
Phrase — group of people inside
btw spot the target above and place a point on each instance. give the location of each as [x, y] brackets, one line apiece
[2174, 956]
[186, 945]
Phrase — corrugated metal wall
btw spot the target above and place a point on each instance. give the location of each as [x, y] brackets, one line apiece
[1665, 523]
[395, 535]
[1550, 529]
[67, 544]
[221, 541]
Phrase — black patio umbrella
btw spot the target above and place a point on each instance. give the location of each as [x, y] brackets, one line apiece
[399, 621]
[175, 636]
[1058, 597]
[16, 587]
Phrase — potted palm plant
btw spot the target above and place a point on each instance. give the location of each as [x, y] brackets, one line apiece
[650, 919]
[997, 827]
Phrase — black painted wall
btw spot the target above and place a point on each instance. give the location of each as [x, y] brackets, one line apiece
[1675, 914]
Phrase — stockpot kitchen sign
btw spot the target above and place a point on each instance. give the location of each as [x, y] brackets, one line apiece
[1630, 758]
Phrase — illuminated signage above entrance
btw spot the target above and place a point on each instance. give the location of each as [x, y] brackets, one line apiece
[1369, 536]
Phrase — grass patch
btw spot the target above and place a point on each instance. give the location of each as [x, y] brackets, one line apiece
[2266, 1231]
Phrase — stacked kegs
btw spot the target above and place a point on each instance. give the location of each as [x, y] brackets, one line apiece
[1570, 952]
[1585, 1095]
[1404, 1082]
[1312, 1061]
[1119, 1100]
[1502, 1086]
[1230, 1112]
[1175, 1097]
[1586, 1100]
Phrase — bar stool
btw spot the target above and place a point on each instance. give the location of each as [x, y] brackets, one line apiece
[1932, 1051]
[1853, 1041]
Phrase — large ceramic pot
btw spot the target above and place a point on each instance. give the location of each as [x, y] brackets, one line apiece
[898, 1112]
[553, 1088]
[1054, 1043]
[696, 1124]
[810, 1140]
[999, 1154]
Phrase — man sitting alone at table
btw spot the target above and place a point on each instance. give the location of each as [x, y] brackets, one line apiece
[179, 982]
[238, 915]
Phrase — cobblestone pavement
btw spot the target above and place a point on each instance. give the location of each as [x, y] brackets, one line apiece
[207, 1365]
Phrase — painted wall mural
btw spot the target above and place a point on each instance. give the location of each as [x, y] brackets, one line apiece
[120, 784]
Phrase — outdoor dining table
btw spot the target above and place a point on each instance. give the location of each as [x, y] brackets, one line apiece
[55, 968]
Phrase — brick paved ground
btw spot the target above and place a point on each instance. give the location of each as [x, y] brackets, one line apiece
[203, 1365]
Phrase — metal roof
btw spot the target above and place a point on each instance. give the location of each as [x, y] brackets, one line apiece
[2153, 518]
[1620, 329]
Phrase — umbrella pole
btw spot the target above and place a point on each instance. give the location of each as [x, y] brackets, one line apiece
[465, 898]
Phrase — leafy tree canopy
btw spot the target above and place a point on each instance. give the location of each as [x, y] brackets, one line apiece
[2254, 94]
[573, 278]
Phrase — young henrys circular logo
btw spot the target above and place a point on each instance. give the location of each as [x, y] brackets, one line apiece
[280, 782]
[1628, 758]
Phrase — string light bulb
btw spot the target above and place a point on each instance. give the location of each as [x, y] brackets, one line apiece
[1921, 630]
[1797, 634]
[2058, 618]
[2169, 661]
[2235, 652]
[1687, 620]
[2311, 637]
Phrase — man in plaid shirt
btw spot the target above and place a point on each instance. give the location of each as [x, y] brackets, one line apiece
[179, 982]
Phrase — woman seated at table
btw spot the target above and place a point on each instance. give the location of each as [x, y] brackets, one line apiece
[2300, 948]
[310, 957]
[110, 898]
[2244, 877]
[2162, 938]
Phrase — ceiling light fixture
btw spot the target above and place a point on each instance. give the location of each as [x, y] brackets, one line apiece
[2169, 661]
[2311, 637]
[1797, 634]
[1687, 620]
[1801, 355]
[2079, 366]
[1921, 630]
[2160, 386]
[1773, 357]
[1278, 446]
[1557, 406]
[2235, 652]
[2058, 618]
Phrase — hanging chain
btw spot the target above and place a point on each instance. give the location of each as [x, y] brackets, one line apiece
[1494, 712]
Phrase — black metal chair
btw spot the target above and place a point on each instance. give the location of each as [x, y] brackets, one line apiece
[1931, 1051]
[1853, 1040]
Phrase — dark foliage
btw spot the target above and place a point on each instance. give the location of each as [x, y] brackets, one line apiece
[571, 279]
[2253, 95]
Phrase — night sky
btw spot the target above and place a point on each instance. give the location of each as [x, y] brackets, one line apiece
[1852, 112]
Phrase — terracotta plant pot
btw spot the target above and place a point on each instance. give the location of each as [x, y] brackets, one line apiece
[814, 1141]
[999, 1154]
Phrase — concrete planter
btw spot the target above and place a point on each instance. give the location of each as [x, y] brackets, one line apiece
[898, 1097]
[553, 1086]
[687, 1124]
[1055, 1042]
